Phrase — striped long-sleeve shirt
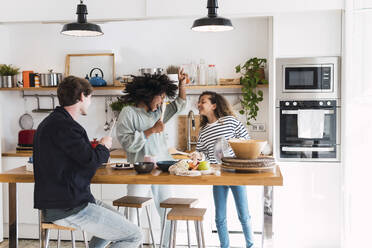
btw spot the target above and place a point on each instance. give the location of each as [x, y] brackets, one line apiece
[227, 127]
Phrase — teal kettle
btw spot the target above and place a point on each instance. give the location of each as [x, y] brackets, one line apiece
[96, 80]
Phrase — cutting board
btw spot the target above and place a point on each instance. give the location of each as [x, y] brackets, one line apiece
[182, 132]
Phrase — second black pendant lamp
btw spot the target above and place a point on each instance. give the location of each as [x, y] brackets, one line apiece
[212, 22]
[81, 27]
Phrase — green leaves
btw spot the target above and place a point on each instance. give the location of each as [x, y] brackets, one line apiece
[8, 70]
[252, 73]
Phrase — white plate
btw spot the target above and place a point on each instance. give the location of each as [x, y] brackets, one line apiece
[113, 166]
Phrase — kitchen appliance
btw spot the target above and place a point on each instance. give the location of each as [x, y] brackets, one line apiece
[50, 79]
[308, 78]
[150, 71]
[96, 80]
[291, 147]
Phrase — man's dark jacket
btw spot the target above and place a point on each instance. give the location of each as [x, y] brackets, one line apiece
[64, 162]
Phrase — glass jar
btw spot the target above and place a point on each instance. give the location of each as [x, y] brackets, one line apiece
[212, 75]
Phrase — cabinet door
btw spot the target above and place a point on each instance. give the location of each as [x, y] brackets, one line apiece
[307, 209]
[41, 10]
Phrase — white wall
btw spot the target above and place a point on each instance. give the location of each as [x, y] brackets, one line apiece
[357, 133]
[136, 44]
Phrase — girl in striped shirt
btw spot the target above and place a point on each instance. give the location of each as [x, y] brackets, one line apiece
[218, 121]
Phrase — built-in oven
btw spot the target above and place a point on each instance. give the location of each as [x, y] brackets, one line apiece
[314, 77]
[324, 146]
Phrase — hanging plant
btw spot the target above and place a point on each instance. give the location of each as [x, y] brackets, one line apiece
[252, 74]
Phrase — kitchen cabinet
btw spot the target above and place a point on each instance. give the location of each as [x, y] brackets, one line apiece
[61, 11]
[308, 206]
[238, 7]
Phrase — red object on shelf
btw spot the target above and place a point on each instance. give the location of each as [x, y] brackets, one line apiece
[26, 137]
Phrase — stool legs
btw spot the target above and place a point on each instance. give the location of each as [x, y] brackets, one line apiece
[163, 227]
[46, 243]
[188, 234]
[58, 239]
[139, 223]
[73, 239]
[197, 233]
[149, 221]
[85, 239]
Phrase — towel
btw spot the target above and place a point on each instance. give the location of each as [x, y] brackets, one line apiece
[310, 123]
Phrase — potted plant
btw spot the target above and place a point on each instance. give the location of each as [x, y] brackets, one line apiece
[172, 72]
[8, 75]
[252, 74]
[117, 106]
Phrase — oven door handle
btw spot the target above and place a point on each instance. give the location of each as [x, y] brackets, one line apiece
[295, 112]
[307, 149]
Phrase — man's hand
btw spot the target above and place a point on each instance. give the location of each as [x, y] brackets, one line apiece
[106, 141]
[157, 128]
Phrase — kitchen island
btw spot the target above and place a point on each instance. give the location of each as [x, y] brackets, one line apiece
[110, 176]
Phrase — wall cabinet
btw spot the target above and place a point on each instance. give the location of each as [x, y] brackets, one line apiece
[60, 11]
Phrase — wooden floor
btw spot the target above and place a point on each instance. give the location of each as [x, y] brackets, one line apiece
[31, 243]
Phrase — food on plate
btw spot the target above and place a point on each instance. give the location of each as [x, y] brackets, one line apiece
[193, 166]
[181, 165]
[204, 165]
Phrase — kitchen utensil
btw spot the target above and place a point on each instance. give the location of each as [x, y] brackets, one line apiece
[150, 71]
[106, 127]
[26, 138]
[174, 151]
[112, 127]
[50, 79]
[221, 149]
[96, 80]
[26, 121]
[247, 149]
[163, 107]
[42, 110]
[164, 165]
[143, 167]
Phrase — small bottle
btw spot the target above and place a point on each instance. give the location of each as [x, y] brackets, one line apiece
[37, 81]
[212, 75]
[202, 73]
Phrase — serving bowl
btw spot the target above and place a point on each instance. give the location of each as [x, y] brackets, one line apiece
[143, 167]
[164, 165]
[247, 149]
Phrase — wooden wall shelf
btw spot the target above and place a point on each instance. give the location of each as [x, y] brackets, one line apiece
[192, 87]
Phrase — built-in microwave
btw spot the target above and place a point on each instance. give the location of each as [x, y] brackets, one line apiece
[308, 78]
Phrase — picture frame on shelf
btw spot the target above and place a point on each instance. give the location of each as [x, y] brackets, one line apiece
[81, 65]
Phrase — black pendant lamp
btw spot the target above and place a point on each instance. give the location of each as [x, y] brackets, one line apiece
[212, 23]
[81, 27]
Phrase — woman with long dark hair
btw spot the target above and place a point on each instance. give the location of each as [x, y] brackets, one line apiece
[140, 128]
[218, 121]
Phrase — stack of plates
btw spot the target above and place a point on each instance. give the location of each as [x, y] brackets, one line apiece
[258, 164]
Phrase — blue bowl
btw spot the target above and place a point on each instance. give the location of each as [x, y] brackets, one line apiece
[164, 165]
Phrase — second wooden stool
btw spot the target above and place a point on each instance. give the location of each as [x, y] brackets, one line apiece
[192, 214]
[176, 203]
[136, 202]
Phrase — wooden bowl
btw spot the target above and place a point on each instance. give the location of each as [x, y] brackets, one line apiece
[247, 149]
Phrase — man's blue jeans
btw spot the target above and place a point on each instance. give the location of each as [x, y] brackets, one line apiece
[241, 203]
[106, 225]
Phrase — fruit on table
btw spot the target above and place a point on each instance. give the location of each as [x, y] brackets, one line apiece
[204, 165]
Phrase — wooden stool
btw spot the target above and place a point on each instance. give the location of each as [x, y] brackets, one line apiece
[176, 203]
[47, 226]
[193, 214]
[136, 202]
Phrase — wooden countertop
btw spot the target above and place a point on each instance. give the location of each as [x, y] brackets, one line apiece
[118, 153]
[113, 176]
